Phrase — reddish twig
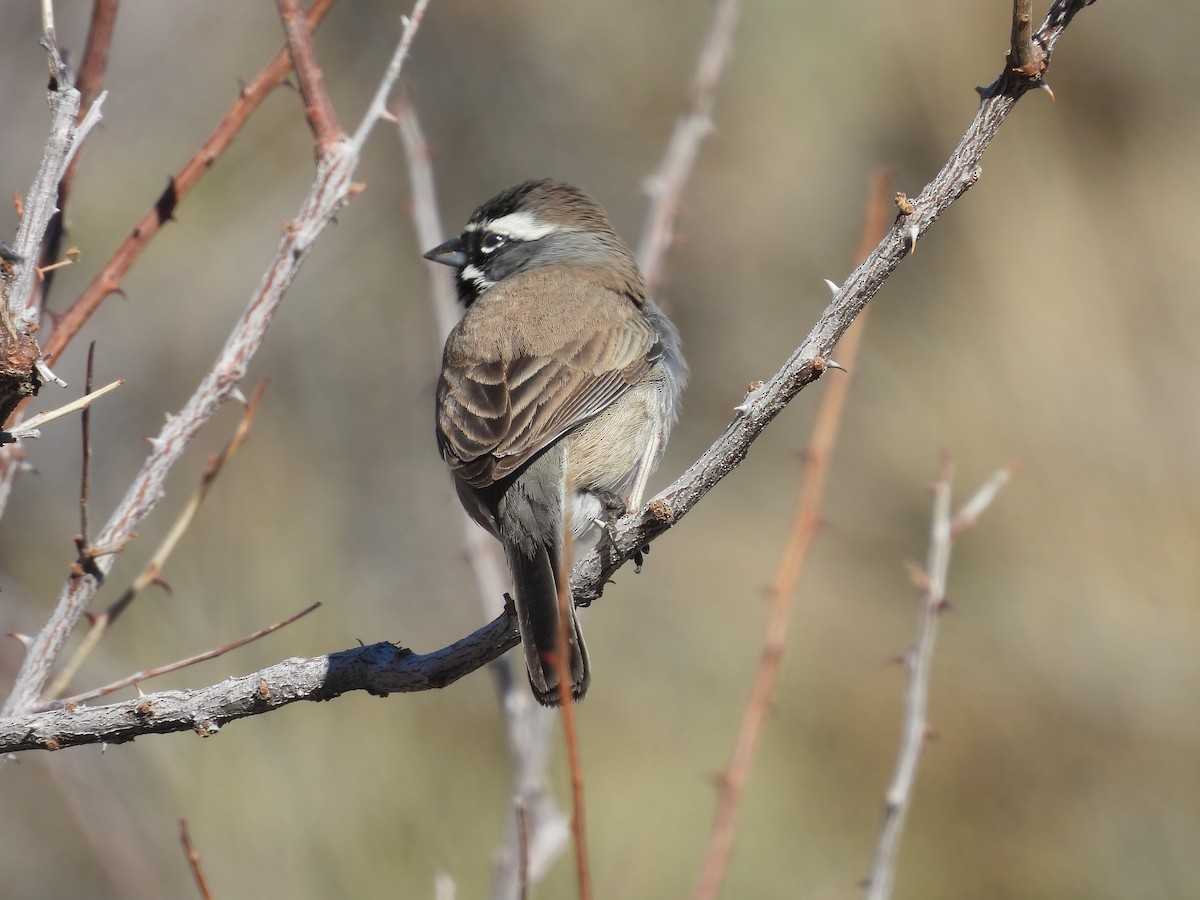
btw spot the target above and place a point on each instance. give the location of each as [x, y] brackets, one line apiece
[805, 527]
[665, 186]
[193, 858]
[919, 662]
[147, 674]
[108, 280]
[567, 707]
[318, 108]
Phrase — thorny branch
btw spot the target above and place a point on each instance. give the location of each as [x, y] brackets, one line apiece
[918, 661]
[331, 190]
[382, 668]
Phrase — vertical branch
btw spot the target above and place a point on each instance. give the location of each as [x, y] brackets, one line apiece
[919, 661]
[193, 859]
[567, 707]
[86, 421]
[806, 525]
[665, 186]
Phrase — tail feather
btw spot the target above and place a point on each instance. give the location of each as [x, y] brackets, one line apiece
[530, 523]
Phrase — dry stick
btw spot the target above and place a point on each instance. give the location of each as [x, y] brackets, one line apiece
[805, 527]
[919, 661]
[331, 190]
[566, 702]
[30, 428]
[383, 668]
[152, 573]
[665, 187]
[147, 674]
[193, 858]
[536, 830]
[85, 426]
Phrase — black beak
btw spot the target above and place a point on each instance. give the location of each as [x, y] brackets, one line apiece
[452, 253]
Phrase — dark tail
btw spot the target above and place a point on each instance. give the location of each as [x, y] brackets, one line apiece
[530, 521]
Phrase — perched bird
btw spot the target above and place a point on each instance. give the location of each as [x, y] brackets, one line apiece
[559, 385]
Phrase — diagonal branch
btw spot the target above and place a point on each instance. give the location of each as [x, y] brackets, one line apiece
[806, 525]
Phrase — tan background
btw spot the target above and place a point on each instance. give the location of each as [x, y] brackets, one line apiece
[1049, 318]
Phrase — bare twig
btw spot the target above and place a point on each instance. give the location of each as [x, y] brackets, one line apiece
[919, 662]
[147, 674]
[152, 573]
[378, 108]
[29, 428]
[425, 215]
[331, 190]
[317, 106]
[665, 186]
[562, 664]
[85, 426]
[805, 527]
[193, 858]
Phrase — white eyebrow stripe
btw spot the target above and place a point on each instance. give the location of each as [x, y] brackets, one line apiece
[521, 226]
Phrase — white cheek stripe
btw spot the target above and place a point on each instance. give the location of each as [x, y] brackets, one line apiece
[475, 274]
[521, 226]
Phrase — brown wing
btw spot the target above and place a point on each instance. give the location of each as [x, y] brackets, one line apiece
[507, 392]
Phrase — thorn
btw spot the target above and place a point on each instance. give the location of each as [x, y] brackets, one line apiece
[744, 406]
[1043, 86]
[137, 687]
[235, 393]
[911, 233]
[831, 363]
[25, 639]
[833, 288]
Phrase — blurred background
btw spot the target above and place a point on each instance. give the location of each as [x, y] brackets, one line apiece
[1046, 319]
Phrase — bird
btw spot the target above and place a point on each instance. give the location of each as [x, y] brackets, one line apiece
[558, 391]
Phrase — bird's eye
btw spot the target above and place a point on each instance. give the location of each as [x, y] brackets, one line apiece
[492, 241]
